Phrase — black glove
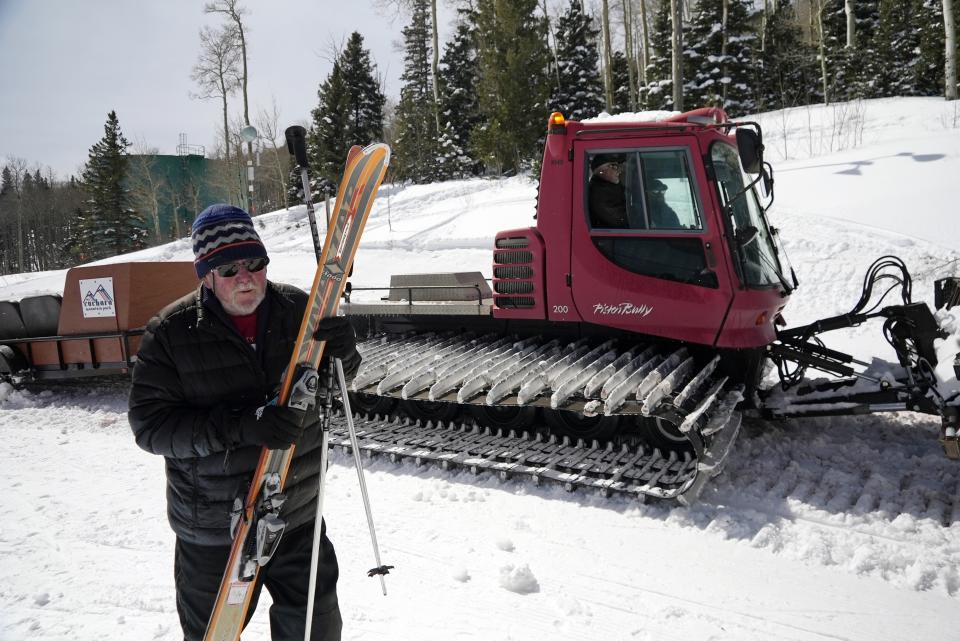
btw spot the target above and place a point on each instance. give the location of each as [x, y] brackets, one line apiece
[339, 335]
[271, 426]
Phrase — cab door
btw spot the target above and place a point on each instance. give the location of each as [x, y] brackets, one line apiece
[660, 270]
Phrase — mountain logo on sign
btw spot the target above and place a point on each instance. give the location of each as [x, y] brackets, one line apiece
[98, 299]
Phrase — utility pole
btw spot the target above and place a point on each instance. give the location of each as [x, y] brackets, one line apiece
[248, 134]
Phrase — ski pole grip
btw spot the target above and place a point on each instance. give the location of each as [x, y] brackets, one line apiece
[297, 144]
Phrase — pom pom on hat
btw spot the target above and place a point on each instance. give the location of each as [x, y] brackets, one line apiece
[224, 234]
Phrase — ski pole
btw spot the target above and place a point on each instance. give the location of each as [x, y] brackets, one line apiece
[380, 569]
[297, 146]
[326, 203]
[318, 523]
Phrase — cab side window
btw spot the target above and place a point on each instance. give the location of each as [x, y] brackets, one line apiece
[651, 190]
[642, 206]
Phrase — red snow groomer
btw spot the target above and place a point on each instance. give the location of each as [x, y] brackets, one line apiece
[620, 350]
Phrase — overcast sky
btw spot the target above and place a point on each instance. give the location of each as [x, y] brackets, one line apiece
[67, 63]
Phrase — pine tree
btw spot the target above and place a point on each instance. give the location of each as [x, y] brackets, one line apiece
[788, 71]
[350, 112]
[453, 161]
[929, 80]
[580, 94]
[294, 194]
[328, 140]
[458, 78]
[621, 82]
[416, 145]
[852, 71]
[6, 181]
[514, 86]
[897, 43]
[720, 63]
[365, 101]
[109, 225]
[870, 67]
[658, 94]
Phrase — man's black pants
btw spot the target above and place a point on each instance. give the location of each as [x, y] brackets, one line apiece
[198, 570]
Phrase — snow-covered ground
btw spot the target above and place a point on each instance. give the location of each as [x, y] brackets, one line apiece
[818, 529]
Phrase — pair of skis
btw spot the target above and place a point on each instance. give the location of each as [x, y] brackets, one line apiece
[257, 525]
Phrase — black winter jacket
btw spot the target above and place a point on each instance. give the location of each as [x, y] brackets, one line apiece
[193, 374]
[608, 204]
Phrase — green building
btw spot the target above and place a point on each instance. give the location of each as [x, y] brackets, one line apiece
[170, 190]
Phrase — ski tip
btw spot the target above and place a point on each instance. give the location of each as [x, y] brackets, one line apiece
[377, 147]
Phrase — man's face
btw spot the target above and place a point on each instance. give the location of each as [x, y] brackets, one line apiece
[239, 294]
[610, 172]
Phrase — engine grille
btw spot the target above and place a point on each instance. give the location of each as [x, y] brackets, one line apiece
[513, 287]
[513, 241]
[513, 272]
[517, 262]
[513, 257]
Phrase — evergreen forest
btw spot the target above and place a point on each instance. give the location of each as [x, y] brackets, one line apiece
[476, 102]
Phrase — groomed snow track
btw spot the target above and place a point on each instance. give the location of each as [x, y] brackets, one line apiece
[587, 377]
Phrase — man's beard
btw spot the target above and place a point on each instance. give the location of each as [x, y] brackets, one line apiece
[235, 308]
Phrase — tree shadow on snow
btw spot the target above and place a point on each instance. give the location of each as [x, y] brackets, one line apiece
[853, 167]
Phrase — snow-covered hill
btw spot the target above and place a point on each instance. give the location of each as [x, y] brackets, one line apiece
[839, 529]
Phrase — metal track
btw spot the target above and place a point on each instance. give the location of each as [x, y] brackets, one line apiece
[631, 470]
[588, 377]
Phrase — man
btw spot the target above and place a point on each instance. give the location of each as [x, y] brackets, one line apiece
[662, 215]
[608, 206]
[206, 368]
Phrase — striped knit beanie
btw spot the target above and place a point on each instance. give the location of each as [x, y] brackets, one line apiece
[224, 234]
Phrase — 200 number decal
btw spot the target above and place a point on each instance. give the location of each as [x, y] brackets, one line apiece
[561, 309]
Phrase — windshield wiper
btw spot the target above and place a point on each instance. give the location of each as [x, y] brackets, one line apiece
[749, 235]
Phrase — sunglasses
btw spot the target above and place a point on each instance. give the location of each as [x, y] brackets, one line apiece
[252, 265]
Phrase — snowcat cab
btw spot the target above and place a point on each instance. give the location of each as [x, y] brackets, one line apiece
[707, 272]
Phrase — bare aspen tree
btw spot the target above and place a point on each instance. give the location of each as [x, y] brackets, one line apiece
[217, 71]
[628, 38]
[763, 26]
[724, 15]
[397, 6]
[436, 62]
[551, 36]
[823, 53]
[235, 13]
[18, 168]
[268, 126]
[645, 36]
[607, 56]
[677, 53]
[950, 64]
[848, 7]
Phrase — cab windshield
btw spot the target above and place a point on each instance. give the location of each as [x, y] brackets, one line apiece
[757, 264]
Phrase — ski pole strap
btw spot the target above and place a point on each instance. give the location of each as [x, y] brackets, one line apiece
[383, 569]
